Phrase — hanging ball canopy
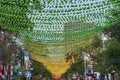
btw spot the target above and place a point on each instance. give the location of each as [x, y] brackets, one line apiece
[58, 20]
[57, 26]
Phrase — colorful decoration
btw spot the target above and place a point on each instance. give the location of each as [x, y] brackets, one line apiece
[58, 20]
[58, 24]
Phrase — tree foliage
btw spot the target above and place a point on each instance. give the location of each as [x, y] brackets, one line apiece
[77, 67]
[113, 54]
[115, 32]
[7, 45]
[39, 68]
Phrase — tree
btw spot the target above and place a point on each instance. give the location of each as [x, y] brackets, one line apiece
[113, 54]
[114, 31]
[7, 47]
[39, 68]
[77, 67]
[109, 57]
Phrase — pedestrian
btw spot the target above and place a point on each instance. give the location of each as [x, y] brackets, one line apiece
[102, 77]
[81, 77]
[113, 75]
